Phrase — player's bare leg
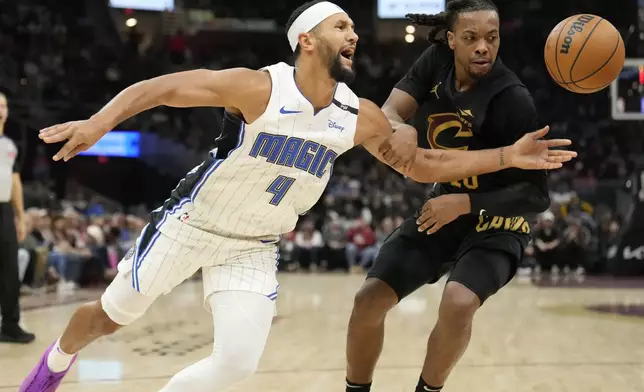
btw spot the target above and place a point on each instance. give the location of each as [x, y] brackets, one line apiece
[366, 331]
[450, 336]
[88, 323]
[120, 305]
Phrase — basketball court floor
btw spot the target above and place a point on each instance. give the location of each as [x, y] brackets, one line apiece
[570, 336]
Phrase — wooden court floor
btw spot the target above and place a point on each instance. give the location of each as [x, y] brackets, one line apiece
[527, 338]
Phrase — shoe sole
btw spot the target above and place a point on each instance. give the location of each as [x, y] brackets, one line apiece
[8, 339]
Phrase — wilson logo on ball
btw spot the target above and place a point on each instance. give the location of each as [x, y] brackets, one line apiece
[575, 28]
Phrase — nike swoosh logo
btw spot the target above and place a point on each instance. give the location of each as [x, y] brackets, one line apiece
[284, 111]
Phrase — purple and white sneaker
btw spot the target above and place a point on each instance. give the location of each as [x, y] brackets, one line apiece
[41, 379]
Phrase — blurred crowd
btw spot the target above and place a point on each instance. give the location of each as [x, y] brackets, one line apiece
[71, 247]
[572, 241]
[52, 55]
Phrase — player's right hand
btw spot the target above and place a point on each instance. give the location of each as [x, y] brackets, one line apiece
[80, 136]
[400, 148]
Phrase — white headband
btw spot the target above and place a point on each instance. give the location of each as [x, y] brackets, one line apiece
[309, 19]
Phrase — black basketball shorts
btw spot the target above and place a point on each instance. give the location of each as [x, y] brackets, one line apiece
[483, 262]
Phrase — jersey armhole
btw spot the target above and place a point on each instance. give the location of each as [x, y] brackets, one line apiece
[272, 73]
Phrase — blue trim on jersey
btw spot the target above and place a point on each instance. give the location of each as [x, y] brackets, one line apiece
[137, 254]
[273, 296]
[138, 259]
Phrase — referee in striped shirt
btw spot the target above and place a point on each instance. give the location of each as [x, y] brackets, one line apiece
[10, 234]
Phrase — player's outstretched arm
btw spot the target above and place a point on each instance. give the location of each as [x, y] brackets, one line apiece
[531, 152]
[242, 88]
[528, 153]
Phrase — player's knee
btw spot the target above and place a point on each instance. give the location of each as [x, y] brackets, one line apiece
[101, 323]
[459, 304]
[122, 304]
[372, 302]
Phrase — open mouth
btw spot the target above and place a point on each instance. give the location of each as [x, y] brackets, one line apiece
[348, 53]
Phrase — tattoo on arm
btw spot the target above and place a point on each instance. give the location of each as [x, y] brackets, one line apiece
[502, 157]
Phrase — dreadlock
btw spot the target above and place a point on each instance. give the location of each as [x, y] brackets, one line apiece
[440, 24]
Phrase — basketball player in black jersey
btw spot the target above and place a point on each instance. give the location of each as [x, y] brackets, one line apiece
[463, 97]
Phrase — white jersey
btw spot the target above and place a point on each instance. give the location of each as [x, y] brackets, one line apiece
[277, 172]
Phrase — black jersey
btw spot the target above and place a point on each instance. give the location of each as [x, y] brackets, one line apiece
[495, 112]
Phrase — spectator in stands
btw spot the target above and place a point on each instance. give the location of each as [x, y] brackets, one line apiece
[547, 244]
[384, 229]
[308, 244]
[42, 231]
[578, 208]
[106, 254]
[361, 243]
[67, 255]
[577, 238]
[335, 237]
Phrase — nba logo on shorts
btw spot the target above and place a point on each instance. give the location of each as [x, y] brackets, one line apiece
[184, 217]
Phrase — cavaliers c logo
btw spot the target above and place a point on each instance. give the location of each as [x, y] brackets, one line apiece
[448, 131]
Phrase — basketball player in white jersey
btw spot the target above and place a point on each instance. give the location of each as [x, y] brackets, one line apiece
[225, 217]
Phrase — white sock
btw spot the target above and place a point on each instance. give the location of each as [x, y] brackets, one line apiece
[57, 360]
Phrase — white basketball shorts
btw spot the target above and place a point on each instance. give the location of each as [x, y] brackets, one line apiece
[160, 261]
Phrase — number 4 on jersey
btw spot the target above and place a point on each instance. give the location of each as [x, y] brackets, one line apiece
[279, 187]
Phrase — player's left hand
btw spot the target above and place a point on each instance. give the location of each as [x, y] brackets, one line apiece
[532, 153]
[441, 210]
[399, 150]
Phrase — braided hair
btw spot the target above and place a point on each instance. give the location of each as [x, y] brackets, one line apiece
[440, 24]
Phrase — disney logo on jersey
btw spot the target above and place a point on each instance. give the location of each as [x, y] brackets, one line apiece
[450, 131]
[334, 125]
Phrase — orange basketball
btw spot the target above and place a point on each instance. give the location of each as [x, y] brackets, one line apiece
[584, 53]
